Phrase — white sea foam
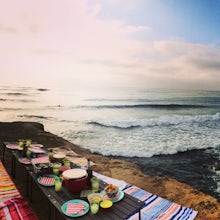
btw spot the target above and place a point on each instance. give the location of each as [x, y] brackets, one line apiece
[162, 135]
[130, 128]
[161, 121]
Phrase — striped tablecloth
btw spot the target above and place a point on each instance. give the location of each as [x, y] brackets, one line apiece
[155, 207]
[159, 208]
[12, 204]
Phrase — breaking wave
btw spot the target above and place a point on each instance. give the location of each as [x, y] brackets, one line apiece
[152, 122]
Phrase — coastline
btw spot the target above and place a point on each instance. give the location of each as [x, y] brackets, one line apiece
[207, 206]
[199, 167]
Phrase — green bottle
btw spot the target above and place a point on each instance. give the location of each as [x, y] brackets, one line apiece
[89, 172]
[24, 151]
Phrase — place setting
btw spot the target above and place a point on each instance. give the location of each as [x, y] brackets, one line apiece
[112, 193]
[75, 208]
[48, 179]
[12, 146]
[24, 160]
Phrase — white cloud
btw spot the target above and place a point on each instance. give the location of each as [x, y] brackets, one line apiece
[55, 40]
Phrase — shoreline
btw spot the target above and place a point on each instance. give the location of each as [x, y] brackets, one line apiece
[201, 164]
[207, 206]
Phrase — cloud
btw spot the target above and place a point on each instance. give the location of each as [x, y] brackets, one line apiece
[67, 40]
[181, 64]
[8, 29]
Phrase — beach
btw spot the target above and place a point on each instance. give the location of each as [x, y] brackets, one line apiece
[207, 206]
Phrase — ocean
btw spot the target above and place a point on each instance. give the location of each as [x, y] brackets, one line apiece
[174, 133]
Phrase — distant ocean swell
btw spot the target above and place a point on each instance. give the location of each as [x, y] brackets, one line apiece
[161, 121]
[16, 94]
[155, 106]
[17, 100]
[115, 124]
[36, 116]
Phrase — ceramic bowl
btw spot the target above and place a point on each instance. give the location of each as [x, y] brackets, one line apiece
[75, 179]
[111, 190]
[59, 157]
[105, 204]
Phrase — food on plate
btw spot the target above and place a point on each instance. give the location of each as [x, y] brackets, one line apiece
[111, 188]
[94, 197]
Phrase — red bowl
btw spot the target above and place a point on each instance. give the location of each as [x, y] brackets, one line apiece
[75, 185]
[63, 168]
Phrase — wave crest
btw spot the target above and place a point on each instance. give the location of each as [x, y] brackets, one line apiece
[152, 122]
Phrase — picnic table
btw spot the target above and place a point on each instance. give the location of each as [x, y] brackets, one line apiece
[122, 209]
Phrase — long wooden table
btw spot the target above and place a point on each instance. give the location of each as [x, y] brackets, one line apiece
[120, 210]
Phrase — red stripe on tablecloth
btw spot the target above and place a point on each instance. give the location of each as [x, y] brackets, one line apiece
[19, 209]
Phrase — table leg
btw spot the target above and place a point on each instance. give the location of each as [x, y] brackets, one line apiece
[49, 207]
[3, 154]
[27, 182]
[13, 161]
[52, 214]
[31, 185]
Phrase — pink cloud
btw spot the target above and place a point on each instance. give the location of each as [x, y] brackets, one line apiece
[53, 40]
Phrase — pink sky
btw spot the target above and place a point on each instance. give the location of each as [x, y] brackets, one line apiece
[54, 42]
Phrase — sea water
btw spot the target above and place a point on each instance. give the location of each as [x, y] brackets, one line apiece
[132, 123]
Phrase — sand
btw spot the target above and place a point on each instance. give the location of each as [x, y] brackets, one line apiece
[207, 206]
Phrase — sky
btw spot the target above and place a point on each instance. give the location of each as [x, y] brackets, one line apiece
[106, 43]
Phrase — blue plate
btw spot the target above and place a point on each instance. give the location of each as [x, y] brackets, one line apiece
[75, 201]
[48, 175]
[117, 198]
[24, 160]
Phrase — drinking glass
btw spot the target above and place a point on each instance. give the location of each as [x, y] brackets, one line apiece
[66, 162]
[95, 184]
[28, 142]
[21, 143]
[94, 207]
[58, 185]
[28, 153]
[94, 200]
[56, 167]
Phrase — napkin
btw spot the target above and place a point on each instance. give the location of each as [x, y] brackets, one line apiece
[47, 180]
[75, 208]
